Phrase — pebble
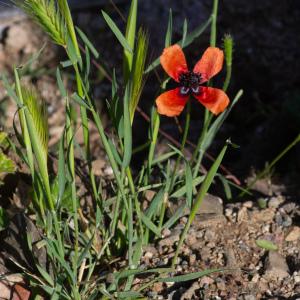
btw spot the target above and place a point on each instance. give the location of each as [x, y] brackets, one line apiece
[275, 202]
[293, 235]
[287, 221]
[289, 207]
[149, 194]
[297, 279]
[276, 266]
[248, 204]
[228, 212]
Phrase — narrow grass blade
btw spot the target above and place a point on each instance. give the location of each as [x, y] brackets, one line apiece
[181, 192]
[155, 203]
[168, 39]
[130, 38]
[150, 225]
[87, 42]
[117, 32]
[127, 129]
[190, 276]
[178, 214]
[189, 184]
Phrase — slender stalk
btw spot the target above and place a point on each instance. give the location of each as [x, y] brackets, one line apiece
[184, 138]
[213, 28]
[153, 141]
[198, 150]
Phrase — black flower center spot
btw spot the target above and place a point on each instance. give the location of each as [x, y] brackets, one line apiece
[189, 82]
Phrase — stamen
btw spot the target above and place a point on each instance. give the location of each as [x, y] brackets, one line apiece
[184, 90]
[190, 81]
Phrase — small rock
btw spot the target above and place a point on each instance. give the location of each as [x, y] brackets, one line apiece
[108, 171]
[275, 202]
[276, 266]
[211, 205]
[287, 221]
[242, 214]
[149, 195]
[209, 235]
[205, 280]
[192, 259]
[166, 232]
[255, 278]
[293, 235]
[297, 279]
[289, 207]
[228, 212]
[97, 166]
[248, 204]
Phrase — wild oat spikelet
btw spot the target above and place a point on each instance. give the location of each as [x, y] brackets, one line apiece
[38, 112]
[48, 16]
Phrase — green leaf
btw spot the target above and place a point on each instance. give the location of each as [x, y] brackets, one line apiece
[87, 42]
[150, 225]
[178, 214]
[130, 38]
[184, 32]
[80, 101]
[6, 164]
[45, 275]
[127, 130]
[117, 32]
[168, 38]
[265, 244]
[190, 276]
[128, 295]
[155, 203]
[61, 169]
[60, 84]
[181, 192]
[189, 184]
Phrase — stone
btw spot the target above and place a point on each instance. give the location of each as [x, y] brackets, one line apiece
[275, 202]
[149, 195]
[293, 235]
[248, 204]
[211, 205]
[276, 266]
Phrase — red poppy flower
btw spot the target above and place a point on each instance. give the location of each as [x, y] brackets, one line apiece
[171, 103]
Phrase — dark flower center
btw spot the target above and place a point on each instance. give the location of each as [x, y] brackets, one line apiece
[189, 82]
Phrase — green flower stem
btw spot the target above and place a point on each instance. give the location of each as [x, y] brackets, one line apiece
[184, 138]
[199, 152]
[213, 29]
[202, 192]
[153, 141]
[228, 77]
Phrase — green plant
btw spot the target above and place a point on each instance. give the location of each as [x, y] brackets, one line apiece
[118, 222]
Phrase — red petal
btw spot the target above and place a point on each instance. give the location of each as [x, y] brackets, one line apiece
[210, 63]
[171, 103]
[173, 61]
[213, 99]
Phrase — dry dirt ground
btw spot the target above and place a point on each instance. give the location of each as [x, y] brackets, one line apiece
[223, 235]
